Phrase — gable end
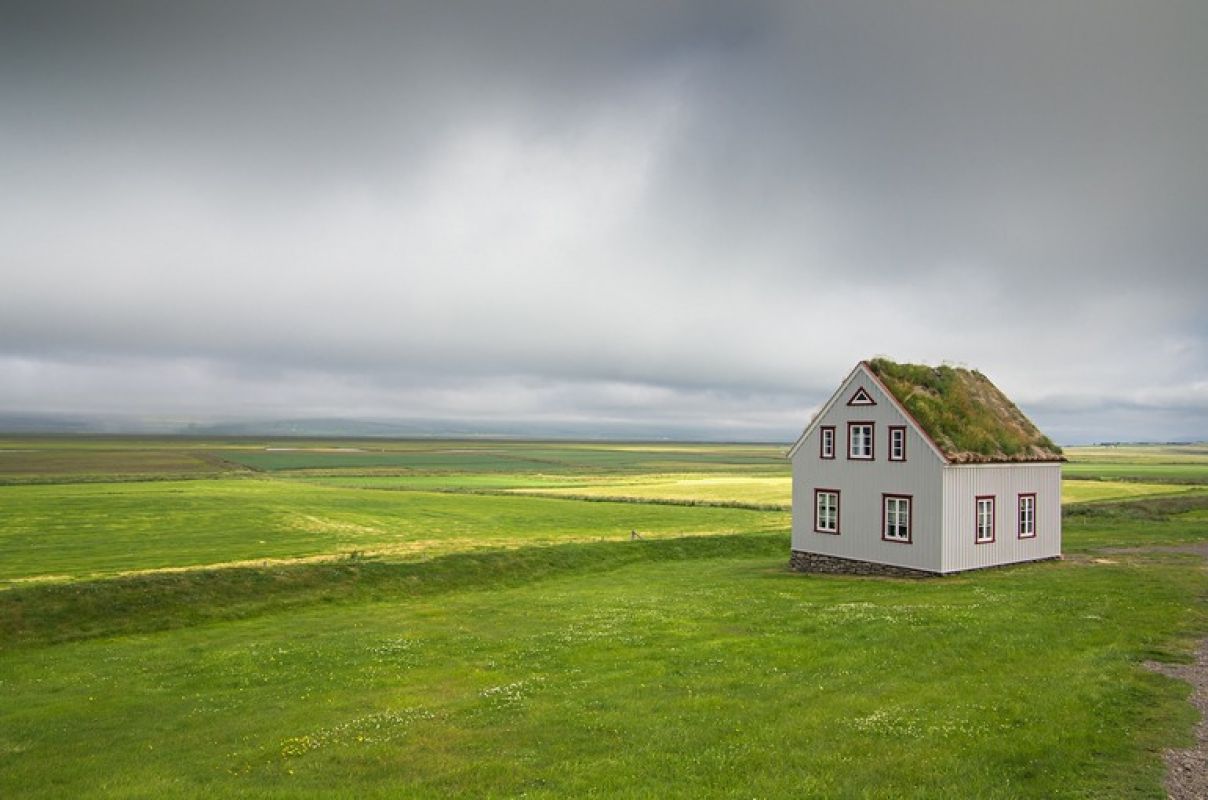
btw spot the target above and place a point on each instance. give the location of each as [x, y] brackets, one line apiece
[863, 369]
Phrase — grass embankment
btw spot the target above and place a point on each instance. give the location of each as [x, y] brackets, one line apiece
[1146, 522]
[55, 612]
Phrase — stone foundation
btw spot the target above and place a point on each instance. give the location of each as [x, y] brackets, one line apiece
[835, 565]
[801, 561]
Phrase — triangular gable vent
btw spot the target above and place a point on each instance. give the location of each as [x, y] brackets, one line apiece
[861, 398]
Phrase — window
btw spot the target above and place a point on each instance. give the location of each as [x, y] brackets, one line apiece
[1027, 516]
[897, 442]
[985, 520]
[859, 441]
[895, 518]
[826, 511]
[827, 442]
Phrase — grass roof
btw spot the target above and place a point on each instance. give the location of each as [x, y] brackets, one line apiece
[966, 415]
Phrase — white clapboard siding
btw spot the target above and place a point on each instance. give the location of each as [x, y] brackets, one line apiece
[964, 483]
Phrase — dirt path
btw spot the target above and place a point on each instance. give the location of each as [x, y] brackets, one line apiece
[1199, 548]
[1187, 768]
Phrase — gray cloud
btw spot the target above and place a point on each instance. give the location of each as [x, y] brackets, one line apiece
[621, 211]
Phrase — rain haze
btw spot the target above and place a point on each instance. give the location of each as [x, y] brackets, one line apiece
[640, 219]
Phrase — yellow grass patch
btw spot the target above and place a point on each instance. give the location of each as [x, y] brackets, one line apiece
[1076, 491]
[710, 488]
[313, 524]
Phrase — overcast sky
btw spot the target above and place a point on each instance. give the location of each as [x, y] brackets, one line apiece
[659, 213]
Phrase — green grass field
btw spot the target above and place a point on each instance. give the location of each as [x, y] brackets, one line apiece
[290, 626]
[89, 530]
[1185, 464]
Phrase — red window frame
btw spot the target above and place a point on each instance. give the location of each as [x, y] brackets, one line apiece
[909, 498]
[825, 429]
[872, 440]
[897, 429]
[1019, 515]
[838, 503]
[977, 501]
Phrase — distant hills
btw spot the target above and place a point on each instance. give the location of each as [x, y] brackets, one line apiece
[336, 427]
[29, 423]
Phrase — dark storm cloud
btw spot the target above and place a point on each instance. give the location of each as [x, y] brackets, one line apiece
[602, 211]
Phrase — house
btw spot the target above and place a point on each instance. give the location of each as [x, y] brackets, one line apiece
[910, 469]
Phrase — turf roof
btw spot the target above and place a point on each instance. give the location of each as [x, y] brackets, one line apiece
[966, 415]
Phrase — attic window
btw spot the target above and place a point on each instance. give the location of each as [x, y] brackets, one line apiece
[826, 444]
[859, 441]
[897, 442]
[861, 398]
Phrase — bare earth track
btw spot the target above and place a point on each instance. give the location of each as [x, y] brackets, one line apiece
[1187, 768]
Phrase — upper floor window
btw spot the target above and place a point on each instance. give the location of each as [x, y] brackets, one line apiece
[1027, 516]
[826, 444]
[985, 520]
[895, 517]
[859, 440]
[897, 442]
[826, 511]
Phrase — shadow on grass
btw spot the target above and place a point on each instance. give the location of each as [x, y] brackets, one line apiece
[53, 613]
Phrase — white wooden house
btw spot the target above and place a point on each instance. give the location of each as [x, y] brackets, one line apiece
[912, 469]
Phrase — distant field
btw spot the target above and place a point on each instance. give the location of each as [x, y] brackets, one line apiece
[778, 491]
[1080, 491]
[448, 481]
[746, 474]
[733, 488]
[1168, 473]
[716, 487]
[736, 488]
[1144, 463]
[515, 456]
[27, 462]
[1140, 454]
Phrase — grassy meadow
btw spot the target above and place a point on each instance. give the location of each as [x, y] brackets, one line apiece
[297, 618]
